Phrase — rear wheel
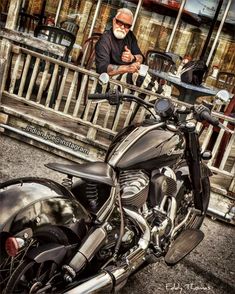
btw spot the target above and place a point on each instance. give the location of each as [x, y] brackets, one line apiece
[30, 276]
[42, 235]
[51, 234]
[8, 264]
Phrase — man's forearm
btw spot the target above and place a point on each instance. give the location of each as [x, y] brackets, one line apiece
[116, 69]
[138, 58]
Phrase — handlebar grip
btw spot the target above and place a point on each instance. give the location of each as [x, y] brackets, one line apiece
[98, 96]
[205, 115]
[113, 96]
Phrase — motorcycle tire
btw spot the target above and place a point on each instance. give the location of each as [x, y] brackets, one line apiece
[31, 276]
[196, 222]
[51, 234]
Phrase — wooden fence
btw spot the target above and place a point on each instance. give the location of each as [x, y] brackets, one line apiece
[43, 84]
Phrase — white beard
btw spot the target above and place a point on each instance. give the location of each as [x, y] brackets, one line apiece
[119, 34]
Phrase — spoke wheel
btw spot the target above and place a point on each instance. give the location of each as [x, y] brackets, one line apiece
[9, 264]
[42, 235]
[30, 276]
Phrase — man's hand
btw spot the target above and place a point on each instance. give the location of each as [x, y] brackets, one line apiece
[121, 69]
[134, 67]
[127, 56]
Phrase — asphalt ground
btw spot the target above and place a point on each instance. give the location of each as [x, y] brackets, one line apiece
[210, 268]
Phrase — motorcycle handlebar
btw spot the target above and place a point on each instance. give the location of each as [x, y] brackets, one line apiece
[203, 113]
[115, 97]
[97, 96]
[211, 120]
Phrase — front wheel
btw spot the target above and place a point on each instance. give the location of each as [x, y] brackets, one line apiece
[30, 277]
[185, 200]
[186, 234]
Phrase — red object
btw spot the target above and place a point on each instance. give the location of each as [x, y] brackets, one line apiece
[12, 246]
[174, 3]
[50, 21]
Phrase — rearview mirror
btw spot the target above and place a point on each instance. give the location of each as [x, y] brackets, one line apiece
[222, 96]
[104, 78]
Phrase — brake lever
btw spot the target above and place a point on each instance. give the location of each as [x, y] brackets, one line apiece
[225, 128]
[99, 101]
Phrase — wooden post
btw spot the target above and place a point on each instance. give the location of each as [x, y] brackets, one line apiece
[5, 50]
[2, 66]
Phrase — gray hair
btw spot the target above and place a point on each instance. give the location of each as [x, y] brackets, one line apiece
[125, 11]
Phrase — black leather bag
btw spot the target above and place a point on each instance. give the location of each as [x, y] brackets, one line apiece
[193, 72]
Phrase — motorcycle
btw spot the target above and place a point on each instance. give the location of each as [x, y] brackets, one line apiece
[146, 200]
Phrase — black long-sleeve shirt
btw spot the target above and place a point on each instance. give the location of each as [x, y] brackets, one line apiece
[109, 49]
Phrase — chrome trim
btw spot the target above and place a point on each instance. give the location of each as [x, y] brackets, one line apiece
[88, 249]
[191, 210]
[141, 221]
[229, 215]
[173, 209]
[103, 282]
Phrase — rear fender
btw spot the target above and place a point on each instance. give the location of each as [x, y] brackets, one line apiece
[47, 252]
[31, 202]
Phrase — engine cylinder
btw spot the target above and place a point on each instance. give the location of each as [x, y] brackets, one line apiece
[134, 186]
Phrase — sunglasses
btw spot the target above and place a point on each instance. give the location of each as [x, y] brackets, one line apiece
[121, 23]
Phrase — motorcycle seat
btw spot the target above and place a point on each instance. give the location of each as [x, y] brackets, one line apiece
[99, 172]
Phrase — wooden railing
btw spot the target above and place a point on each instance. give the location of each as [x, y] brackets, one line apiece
[32, 78]
[221, 142]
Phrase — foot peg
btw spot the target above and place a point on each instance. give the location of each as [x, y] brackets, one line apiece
[183, 245]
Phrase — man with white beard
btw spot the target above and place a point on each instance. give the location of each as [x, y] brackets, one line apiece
[117, 51]
[118, 54]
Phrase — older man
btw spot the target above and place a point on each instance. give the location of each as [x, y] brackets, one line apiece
[118, 54]
[117, 51]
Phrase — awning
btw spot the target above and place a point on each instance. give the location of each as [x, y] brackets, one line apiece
[170, 9]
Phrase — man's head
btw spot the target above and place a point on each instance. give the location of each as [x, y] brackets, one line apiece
[122, 23]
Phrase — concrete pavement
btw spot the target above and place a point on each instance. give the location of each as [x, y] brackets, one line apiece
[208, 269]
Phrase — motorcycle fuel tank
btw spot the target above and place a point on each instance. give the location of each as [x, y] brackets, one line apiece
[148, 147]
[31, 202]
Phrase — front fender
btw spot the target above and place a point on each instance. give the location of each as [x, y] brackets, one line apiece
[205, 171]
[183, 170]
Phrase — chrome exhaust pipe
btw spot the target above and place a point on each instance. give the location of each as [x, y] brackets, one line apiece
[114, 279]
[142, 223]
[86, 252]
[104, 282]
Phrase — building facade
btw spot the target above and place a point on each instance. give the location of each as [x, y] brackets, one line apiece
[154, 24]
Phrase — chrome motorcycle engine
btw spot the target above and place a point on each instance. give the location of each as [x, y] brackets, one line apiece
[134, 187]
